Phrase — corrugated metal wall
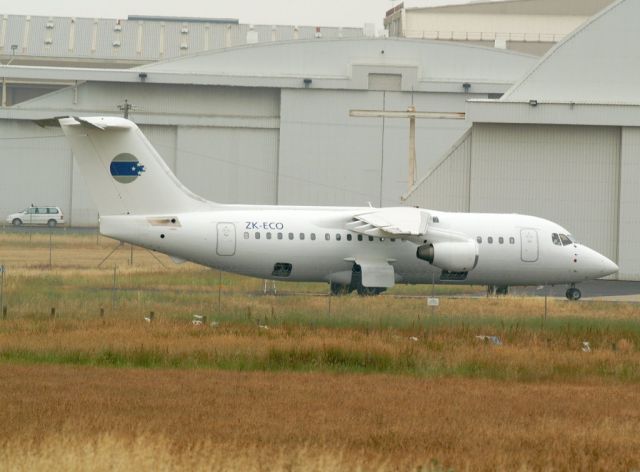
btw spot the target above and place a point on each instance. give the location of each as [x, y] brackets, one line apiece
[229, 165]
[36, 167]
[629, 249]
[446, 185]
[139, 39]
[330, 158]
[568, 174]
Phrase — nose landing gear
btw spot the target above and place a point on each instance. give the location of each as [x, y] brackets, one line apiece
[573, 293]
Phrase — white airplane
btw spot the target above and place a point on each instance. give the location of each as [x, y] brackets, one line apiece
[366, 249]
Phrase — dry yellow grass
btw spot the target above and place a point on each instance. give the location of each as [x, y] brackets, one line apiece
[124, 418]
[241, 397]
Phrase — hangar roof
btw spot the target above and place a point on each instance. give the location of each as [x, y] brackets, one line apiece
[513, 7]
[598, 63]
[436, 61]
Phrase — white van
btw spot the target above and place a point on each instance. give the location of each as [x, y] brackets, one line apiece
[37, 215]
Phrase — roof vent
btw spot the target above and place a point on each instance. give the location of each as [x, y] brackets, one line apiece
[185, 29]
[116, 44]
[48, 41]
[184, 46]
[49, 25]
[117, 27]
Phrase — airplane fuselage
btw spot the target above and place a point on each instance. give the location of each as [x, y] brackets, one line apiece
[311, 244]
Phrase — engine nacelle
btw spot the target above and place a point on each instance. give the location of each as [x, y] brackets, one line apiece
[454, 256]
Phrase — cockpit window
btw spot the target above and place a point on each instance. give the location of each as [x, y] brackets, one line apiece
[556, 239]
[565, 240]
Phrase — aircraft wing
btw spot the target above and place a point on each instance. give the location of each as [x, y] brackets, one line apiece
[390, 222]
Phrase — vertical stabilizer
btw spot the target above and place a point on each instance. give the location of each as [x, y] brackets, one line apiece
[125, 174]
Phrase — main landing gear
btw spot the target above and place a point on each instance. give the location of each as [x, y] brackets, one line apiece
[356, 284]
[573, 293]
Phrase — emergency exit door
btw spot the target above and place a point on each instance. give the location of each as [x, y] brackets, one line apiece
[226, 245]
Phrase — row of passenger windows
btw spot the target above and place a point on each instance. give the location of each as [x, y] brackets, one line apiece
[512, 240]
[312, 236]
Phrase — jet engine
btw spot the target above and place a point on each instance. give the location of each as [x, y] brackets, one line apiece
[454, 256]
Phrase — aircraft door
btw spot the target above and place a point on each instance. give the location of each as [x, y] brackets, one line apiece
[226, 243]
[529, 245]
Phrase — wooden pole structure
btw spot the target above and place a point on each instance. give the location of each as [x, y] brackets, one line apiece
[412, 114]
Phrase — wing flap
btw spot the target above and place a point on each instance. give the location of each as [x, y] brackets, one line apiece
[399, 221]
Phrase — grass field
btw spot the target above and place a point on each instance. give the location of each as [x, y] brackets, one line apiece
[298, 380]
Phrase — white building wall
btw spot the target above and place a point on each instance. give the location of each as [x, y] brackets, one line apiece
[330, 158]
[568, 174]
[446, 186]
[629, 248]
[229, 165]
[35, 167]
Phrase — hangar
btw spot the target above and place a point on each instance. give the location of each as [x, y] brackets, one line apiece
[259, 123]
[531, 26]
[562, 143]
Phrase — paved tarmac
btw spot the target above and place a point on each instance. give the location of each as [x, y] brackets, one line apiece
[62, 229]
[611, 290]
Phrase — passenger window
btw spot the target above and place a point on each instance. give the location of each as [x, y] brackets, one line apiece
[370, 238]
[479, 239]
[291, 236]
[327, 236]
[338, 237]
[257, 235]
[279, 235]
[501, 240]
[301, 236]
[490, 240]
[556, 239]
[268, 235]
[313, 236]
[349, 237]
[565, 241]
[246, 235]
[359, 237]
[512, 240]
[436, 219]
[393, 240]
[381, 239]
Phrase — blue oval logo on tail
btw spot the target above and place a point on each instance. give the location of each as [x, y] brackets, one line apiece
[125, 168]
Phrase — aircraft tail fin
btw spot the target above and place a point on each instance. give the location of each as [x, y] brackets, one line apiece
[123, 171]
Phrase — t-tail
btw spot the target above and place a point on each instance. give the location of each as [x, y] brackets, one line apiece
[124, 173]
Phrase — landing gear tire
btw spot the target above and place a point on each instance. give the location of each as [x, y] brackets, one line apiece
[573, 294]
[502, 290]
[340, 289]
[370, 291]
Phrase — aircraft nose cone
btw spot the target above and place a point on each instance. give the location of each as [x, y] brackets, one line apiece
[600, 265]
[608, 266]
[595, 264]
